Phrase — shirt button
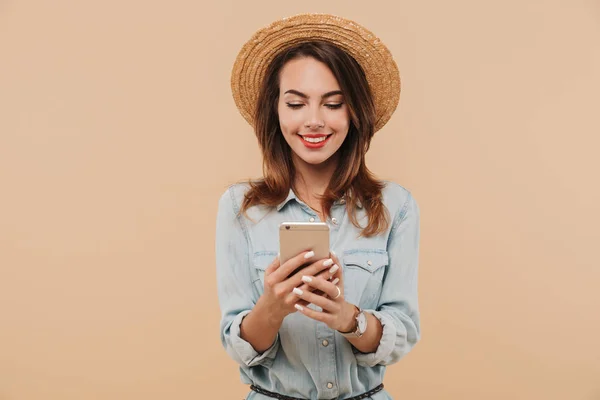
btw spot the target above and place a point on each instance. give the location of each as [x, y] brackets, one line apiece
[311, 219]
[329, 385]
[325, 343]
[369, 262]
[334, 221]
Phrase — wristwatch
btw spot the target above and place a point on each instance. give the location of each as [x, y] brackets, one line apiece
[360, 327]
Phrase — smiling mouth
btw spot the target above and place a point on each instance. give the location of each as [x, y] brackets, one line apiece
[314, 138]
[313, 141]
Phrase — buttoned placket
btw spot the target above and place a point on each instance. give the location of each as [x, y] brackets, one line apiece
[328, 385]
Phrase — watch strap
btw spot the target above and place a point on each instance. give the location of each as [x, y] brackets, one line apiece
[355, 332]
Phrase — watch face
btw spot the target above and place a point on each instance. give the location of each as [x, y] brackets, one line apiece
[362, 322]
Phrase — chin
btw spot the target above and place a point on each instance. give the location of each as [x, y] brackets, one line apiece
[314, 159]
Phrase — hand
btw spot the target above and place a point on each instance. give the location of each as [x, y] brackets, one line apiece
[333, 274]
[337, 313]
[278, 297]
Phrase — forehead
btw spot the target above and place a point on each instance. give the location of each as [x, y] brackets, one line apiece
[307, 75]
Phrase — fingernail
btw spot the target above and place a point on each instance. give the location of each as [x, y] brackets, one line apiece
[309, 254]
[335, 281]
[298, 307]
[327, 263]
[306, 279]
[333, 269]
[298, 291]
[333, 252]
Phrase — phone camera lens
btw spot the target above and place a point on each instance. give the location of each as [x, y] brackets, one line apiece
[287, 227]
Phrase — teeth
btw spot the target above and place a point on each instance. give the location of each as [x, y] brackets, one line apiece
[314, 140]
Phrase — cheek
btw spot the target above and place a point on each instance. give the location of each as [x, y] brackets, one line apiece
[289, 122]
[340, 123]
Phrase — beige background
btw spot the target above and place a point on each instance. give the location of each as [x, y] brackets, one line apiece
[118, 134]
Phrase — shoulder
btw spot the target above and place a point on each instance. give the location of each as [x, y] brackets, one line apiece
[236, 190]
[398, 199]
[394, 192]
[233, 196]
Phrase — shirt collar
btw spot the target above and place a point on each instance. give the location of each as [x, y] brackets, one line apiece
[292, 196]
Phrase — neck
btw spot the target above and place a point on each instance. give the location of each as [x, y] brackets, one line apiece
[311, 180]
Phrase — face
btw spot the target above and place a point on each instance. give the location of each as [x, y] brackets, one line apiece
[313, 116]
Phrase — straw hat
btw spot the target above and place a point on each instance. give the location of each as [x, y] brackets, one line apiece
[372, 55]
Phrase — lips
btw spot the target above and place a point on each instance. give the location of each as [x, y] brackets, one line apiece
[314, 141]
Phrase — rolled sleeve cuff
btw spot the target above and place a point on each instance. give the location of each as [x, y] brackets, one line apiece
[386, 344]
[244, 349]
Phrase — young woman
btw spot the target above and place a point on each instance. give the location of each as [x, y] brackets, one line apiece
[316, 88]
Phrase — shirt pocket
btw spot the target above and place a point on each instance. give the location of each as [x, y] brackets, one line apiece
[260, 262]
[363, 276]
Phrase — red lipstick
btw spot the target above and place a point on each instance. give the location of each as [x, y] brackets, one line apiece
[314, 145]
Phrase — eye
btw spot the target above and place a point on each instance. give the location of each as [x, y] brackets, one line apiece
[334, 106]
[294, 105]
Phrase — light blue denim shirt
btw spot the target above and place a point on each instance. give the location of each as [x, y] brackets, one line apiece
[308, 359]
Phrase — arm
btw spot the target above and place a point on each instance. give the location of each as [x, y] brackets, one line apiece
[370, 340]
[260, 327]
[397, 311]
[240, 335]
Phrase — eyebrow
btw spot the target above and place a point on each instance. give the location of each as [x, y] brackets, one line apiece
[328, 94]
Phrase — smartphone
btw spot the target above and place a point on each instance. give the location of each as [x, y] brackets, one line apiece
[296, 237]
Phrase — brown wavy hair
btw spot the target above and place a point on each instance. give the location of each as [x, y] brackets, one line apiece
[351, 178]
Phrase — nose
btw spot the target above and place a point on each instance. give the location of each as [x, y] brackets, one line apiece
[314, 121]
[313, 125]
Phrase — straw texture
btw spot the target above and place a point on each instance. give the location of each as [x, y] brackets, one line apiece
[373, 56]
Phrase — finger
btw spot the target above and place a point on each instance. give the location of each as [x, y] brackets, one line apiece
[334, 271]
[273, 266]
[326, 287]
[295, 300]
[311, 270]
[290, 265]
[335, 282]
[317, 292]
[316, 268]
[291, 299]
[327, 274]
[304, 286]
[321, 301]
[316, 315]
[334, 257]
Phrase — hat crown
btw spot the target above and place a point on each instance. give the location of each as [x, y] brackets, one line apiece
[367, 49]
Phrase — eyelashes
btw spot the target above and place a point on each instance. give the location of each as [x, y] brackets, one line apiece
[295, 106]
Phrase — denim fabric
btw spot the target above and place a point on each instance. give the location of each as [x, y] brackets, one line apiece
[308, 359]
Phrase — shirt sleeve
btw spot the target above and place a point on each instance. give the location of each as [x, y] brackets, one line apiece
[398, 309]
[234, 284]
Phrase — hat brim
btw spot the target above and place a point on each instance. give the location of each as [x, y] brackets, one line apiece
[373, 56]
